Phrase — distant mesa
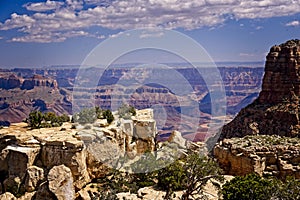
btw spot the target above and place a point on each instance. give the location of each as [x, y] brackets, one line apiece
[276, 110]
[38, 80]
[12, 81]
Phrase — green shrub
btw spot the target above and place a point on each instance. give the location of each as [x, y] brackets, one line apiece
[107, 114]
[35, 119]
[191, 174]
[85, 116]
[249, 187]
[126, 111]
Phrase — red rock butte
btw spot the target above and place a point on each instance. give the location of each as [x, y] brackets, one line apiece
[282, 76]
[276, 110]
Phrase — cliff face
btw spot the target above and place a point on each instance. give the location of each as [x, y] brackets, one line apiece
[19, 96]
[39, 81]
[282, 73]
[276, 111]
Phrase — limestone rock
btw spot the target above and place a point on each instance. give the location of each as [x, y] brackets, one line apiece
[177, 138]
[145, 129]
[27, 196]
[83, 195]
[127, 196]
[61, 182]
[57, 151]
[34, 176]
[101, 156]
[20, 158]
[12, 184]
[148, 193]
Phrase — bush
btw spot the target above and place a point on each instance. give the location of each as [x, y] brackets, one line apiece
[172, 178]
[249, 187]
[35, 119]
[191, 174]
[107, 114]
[288, 190]
[64, 118]
[85, 116]
[146, 170]
[126, 111]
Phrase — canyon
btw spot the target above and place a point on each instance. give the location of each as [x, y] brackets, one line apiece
[47, 89]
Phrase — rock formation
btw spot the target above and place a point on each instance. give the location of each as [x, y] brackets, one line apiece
[12, 81]
[263, 137]
[38, 81]
[276, 111]
[50, 163]
[265, 155]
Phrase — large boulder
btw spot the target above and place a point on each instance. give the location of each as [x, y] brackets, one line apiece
[60, 182]
[68, 151]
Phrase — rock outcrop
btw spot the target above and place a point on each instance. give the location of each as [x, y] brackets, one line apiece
[276, 111]
[264, 155]
[55, 163]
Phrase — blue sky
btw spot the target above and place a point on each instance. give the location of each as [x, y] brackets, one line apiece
[44, 33]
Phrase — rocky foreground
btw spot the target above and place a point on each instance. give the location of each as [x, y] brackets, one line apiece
[50, 161]
[62, 162]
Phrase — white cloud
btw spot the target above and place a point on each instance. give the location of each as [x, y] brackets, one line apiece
[293, 23]
[151, 34]
[72, 15]
[43, 6]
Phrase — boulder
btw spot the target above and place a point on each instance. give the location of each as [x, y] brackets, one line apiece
[177, 138]
[19, 159]
[64, 150]
[34, 176]
[7, 196]
[60, 182]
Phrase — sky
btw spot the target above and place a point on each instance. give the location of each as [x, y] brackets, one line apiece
[44, 33]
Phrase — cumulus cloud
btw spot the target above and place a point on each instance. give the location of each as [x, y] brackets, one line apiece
[293, 23]
[43, 6]
[62, 18]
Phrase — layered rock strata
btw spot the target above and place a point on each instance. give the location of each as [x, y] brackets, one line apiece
[276, 111]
